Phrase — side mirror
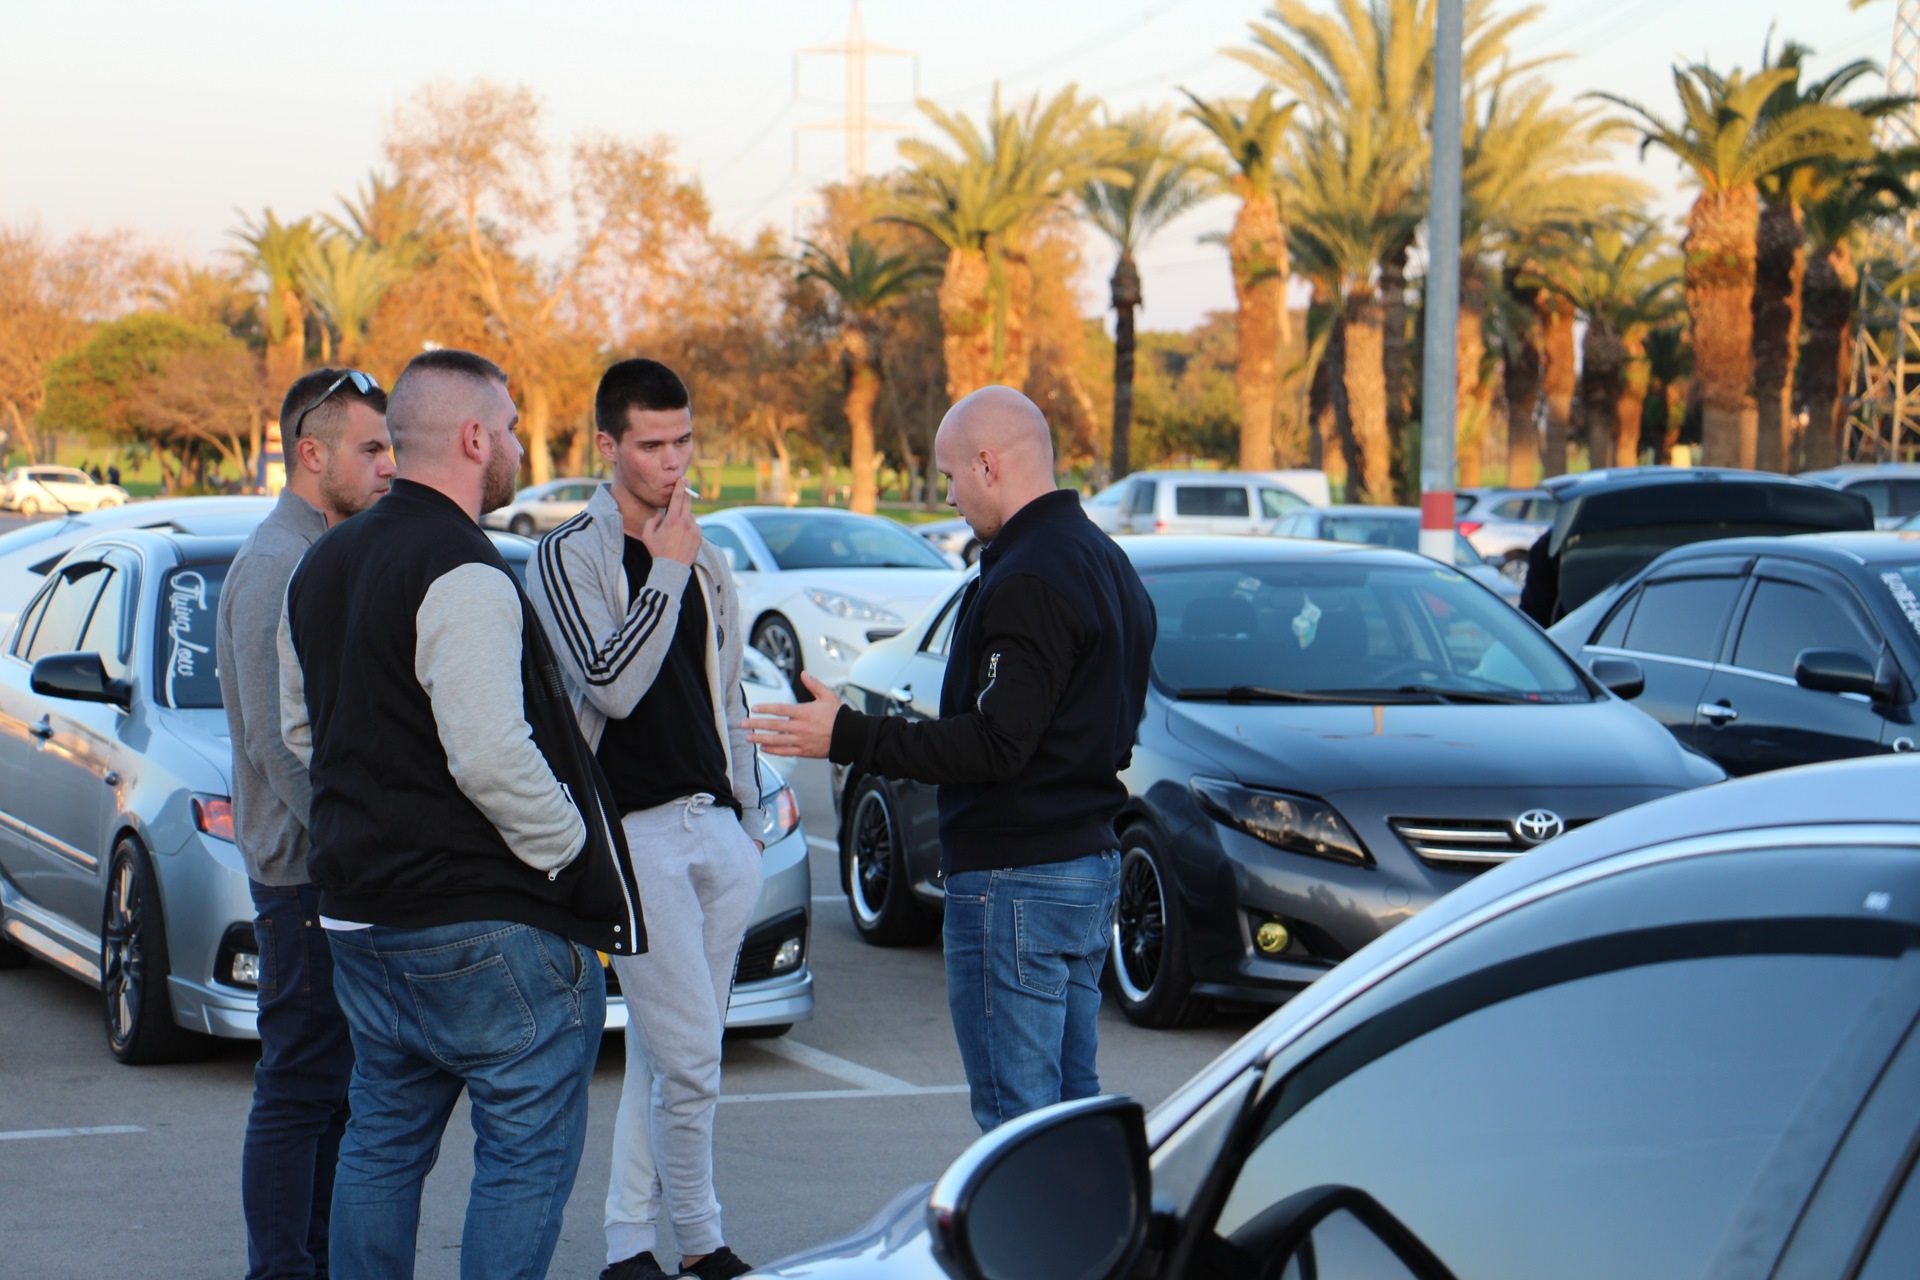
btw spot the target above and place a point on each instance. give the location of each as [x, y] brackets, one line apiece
[81, 677]
[1621, 676]
[1840, 671]
[1063, 1192]
[1336, 1230]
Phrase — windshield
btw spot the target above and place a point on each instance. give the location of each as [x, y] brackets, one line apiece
[1402, 533]
[183, 663]
[828, 540]
[1317, 628]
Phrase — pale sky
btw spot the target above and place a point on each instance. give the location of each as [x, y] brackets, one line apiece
[166, 117]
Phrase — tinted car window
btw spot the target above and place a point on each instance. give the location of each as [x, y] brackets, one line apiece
[1140, 498]
[1650, 1095]
[1277, 502]
[830, 541]
[1682, 618]
[106, 629]
[183, 664]
[1898, 1242]
[1614, 634]
[1380, 531]
[727, 540]
[1877, 492]
[1906, 497]
[66, 612]
[941, 636]
[1782, 619]
[1318, 627]
[1210, 500]
[1512, 509]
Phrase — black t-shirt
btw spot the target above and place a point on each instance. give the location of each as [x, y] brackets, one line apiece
[667, 747]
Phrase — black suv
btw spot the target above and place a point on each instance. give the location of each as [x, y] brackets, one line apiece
[1768, 652]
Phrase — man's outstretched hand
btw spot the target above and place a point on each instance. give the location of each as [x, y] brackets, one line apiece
[796, 728]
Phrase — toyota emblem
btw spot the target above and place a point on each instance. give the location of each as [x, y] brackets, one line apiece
[1537, 826]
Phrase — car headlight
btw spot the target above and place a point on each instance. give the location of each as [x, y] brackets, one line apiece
[1293, 823]
[839, 650]
[783, 816]
[852, 608]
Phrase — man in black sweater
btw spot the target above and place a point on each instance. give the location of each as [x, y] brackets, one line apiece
[467, 850]
[1045, 684]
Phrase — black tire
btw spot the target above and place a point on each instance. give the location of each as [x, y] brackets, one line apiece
[775, 637]
[1148, 957]
[12, 957]
[1513, 567]
[873, 865]
[521, 524]
[133, 968]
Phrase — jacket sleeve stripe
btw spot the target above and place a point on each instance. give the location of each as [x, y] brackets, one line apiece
[598, 668]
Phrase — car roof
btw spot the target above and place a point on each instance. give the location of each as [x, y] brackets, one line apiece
[1630, 497]
[1225, 477]
[1852, 471]
[1171, 550]
[1840, 550]
[196, 548]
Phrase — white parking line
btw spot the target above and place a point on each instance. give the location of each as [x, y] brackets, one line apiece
[831, 1095]
[820, 844]
[96, 1131]
[829, 897]
[830, 1064]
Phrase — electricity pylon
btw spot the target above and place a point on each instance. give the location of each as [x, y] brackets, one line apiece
[856, 123]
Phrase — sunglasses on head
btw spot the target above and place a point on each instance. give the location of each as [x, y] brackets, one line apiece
[362, 382]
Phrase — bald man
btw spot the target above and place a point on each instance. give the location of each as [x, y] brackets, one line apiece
[1046, 680]
[468, 853]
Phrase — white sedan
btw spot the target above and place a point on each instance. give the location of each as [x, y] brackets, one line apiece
[540, 507]
[33, 491]
[819, 586]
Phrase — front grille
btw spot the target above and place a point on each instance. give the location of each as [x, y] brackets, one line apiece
[1471, 841]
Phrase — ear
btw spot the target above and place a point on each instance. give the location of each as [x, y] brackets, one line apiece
[609, 447]
[989, 466]
[310, 453]
[473, 440]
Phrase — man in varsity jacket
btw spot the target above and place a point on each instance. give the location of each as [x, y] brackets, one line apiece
[645, 617]
[468, 861]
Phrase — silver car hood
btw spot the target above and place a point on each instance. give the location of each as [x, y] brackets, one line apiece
[893, 1245]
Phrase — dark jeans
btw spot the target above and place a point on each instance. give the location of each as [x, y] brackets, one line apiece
[299, 1089]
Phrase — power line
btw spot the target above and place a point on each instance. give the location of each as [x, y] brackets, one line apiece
[856, 123]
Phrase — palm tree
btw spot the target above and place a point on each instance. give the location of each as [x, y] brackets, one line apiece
[274, 249]
[1253, 136]
[1521, 342]
[1728, 142]
[1621, 274]
[980, 201]
[1843, 203]
[1669, 362]
[862, 281]
[396, 217]
[1781, 249]
[1343, 189]
[345, 281]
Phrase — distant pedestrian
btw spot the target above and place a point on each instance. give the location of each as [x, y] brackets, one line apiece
[649, 633]
[113, 474]
[465, 846]
[342, 462]
[93, 474]
[1045, 684]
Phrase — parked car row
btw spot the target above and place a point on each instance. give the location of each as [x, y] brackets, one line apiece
[37, 490]
[117, 862]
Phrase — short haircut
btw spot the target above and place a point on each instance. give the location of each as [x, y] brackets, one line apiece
[325, 420]
[408, 388]
[636, 384]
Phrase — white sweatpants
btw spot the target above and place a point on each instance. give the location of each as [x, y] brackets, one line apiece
[699, 878]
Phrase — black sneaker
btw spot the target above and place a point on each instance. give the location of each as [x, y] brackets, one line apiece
[722, 1264]
[641, 1266]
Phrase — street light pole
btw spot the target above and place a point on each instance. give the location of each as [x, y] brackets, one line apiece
[1439, 371]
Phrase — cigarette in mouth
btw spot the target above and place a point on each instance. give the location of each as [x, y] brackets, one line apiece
[691, 491]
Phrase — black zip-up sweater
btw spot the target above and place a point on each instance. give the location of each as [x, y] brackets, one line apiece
[389, 612]
[1045, 685]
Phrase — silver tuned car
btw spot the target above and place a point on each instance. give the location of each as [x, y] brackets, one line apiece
[117, 862]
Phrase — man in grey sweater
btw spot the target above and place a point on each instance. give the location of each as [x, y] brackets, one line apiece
[339, 462]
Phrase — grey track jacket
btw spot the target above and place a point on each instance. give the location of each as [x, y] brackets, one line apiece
[611, 647]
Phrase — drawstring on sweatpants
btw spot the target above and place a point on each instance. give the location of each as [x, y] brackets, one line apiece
[696, 804]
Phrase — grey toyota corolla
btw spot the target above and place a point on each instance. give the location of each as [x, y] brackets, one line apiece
[117, 862]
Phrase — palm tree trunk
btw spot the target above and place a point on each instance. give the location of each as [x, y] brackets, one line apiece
[1257, 249]
[288, 352]
[1523, 391]
[1126, 296]
[863, 389]
[1558, 379]
[1396, 365]
[1016, 364]
[538, 422]
[1365, 382]
[1603, 361]
[1721, 230]
[966, 322]
[1829, 291]
[1630, 408]
[1780, 264]
[1470, 351]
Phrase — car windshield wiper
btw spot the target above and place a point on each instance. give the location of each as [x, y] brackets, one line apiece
[1471, 695]
[1259, 693]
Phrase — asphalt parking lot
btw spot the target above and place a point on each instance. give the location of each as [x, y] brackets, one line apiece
[111, 1170]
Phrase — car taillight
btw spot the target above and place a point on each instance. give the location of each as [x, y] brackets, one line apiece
[1159, 526]
[1469, 527]
[214, 815]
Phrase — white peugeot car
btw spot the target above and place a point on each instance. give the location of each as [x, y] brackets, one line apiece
[822, 585]
[34, 491]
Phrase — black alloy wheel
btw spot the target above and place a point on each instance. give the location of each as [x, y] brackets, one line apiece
[521, 524]
[1513, 567]
[133, 968]
[873, 865]
[1149, 945]
[774, 636]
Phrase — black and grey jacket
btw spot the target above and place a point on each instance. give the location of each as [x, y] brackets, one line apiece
[450, 782]
[1045, 685]
[611, 645]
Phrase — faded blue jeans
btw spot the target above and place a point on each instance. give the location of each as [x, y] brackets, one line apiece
[511, 1014]
[1024, 952]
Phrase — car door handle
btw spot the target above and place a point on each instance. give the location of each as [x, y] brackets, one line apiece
[903, 695]
[43, 730]
[1718, 712]
[111, 777]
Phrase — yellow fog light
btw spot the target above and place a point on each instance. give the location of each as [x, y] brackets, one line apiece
[1272, 938]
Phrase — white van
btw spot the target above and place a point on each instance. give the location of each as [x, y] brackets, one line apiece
[1205, 501]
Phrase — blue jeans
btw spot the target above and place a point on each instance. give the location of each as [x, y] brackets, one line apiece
[1024, 952]
[299, 1089]
[509, 1013]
